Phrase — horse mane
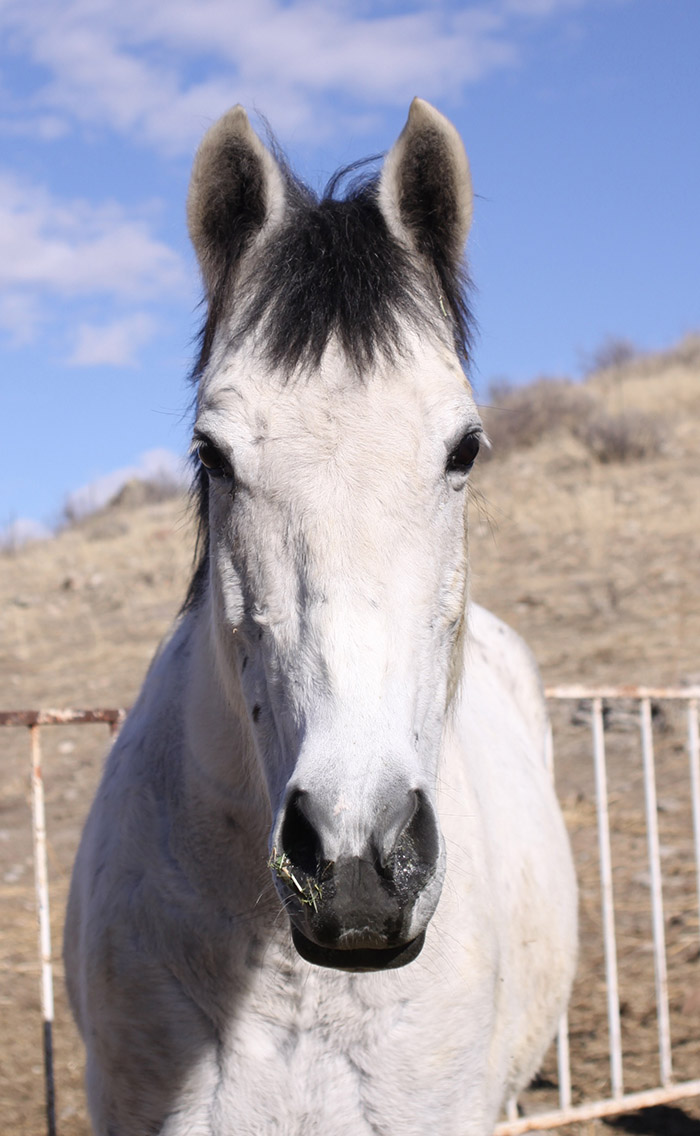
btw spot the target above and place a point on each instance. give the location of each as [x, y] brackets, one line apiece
[333, 269]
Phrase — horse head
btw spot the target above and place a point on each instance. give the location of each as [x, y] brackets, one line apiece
[335, 431]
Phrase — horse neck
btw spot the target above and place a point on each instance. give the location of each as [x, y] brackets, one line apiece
[220, 767]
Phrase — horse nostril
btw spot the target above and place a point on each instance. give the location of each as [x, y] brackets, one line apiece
[389, 833]
[300, 841]
[415, 846]
[421, 833]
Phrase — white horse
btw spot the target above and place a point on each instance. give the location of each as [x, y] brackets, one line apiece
[332, 771]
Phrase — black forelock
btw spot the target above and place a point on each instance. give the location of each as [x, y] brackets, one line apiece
[332, 270]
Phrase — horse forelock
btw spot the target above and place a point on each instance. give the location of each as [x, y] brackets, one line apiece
[332, 270]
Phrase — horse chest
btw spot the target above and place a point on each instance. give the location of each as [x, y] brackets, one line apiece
[314, 1051]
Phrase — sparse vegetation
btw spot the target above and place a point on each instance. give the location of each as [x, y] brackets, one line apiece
[522, 417]
[138, 492]
[614, 351]
[131, 495]
[629, 436]
[519, 417]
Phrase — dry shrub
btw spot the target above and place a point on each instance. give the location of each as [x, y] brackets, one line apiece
[519, 417]
[628, 436]
[614, 351]
[687, 352]
[151, 491]
[131, 495]
[621, 355]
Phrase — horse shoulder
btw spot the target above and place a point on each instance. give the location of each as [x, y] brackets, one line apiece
[133, 926]
[495, 648]
[519, 848]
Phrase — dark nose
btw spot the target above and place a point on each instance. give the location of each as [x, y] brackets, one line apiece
[360, 896]
[404, 835]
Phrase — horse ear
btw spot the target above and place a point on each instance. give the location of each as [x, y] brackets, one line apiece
[236, 189]
[425, 190]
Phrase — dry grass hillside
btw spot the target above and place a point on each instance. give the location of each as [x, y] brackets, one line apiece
[585, 536]
[586, 531]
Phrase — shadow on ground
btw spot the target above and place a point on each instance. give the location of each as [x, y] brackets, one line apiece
[661, 1120]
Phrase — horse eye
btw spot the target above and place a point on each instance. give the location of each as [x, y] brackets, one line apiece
[463, 455]
[213, 460]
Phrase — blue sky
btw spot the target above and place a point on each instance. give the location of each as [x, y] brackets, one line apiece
[580, 118]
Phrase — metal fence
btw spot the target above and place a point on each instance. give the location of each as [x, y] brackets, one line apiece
[34, 720]
[567, 1113]
[668, 1090]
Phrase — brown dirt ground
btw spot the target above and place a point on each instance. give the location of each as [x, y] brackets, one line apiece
[597, 565]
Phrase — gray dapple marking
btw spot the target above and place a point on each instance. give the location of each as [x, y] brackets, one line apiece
[333, 757]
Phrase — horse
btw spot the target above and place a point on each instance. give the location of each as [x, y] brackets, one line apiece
[325, 886]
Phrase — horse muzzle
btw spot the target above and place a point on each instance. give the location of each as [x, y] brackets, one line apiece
[365, 911]
[357, 958]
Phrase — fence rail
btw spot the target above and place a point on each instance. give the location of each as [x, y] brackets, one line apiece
[567, 1113]
[668, 1091]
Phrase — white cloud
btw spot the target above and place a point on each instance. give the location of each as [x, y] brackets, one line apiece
[41, 127]
[540, 7]
[160, 466]
[159, 73]
[115, 344]
[53, 249]
[76, 248]
[22, 531]
[20, 316]
[131, 64]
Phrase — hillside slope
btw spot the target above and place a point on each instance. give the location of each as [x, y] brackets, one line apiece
[597, 563]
